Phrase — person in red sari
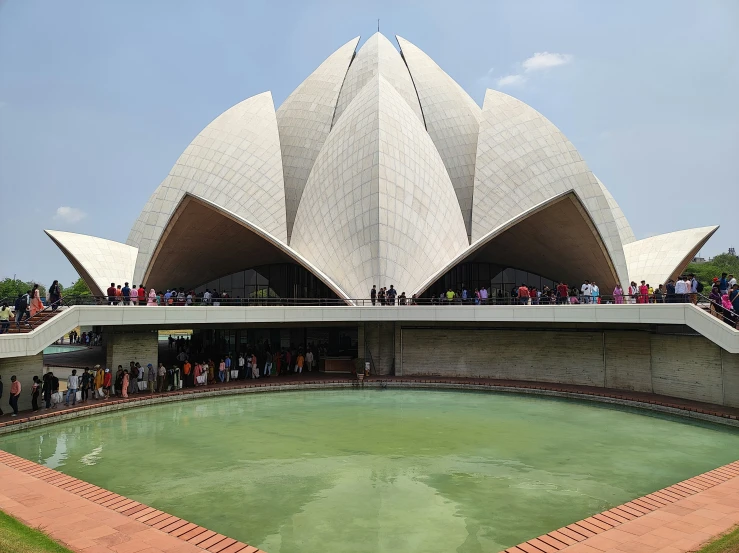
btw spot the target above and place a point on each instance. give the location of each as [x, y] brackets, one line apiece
[643, 292]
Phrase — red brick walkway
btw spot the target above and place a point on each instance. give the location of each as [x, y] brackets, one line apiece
[89, 519]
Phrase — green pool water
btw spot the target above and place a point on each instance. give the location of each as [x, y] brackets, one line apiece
[406, 471]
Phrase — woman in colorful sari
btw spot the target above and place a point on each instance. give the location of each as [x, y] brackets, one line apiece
[222, 371]
[99, 377]
[618, 294]
[152, 301]
[633, 291]
[643, 292]
[36, 303]
[211, 372]
[124, 384]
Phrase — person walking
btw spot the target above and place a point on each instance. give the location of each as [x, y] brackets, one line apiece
[125, 383]
[21, 309]
[36, 304]
[46, 389]
[15, 393]
[373, 294]
[4, 318]
[72, 385]
[161, 378]
[85, 380]
[107, 382]
[151, 378]
[254, 366]
[35, 391]
[299, 363]
[309, 360]
[55, 295]
[98, 384]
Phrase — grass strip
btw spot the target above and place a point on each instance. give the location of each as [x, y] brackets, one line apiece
[16, 537]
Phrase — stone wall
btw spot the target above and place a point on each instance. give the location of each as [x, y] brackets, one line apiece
[683, 366]
[24, 368]
[122, 348]
[379, 339]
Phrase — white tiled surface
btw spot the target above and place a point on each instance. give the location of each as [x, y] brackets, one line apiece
[452, 119]
[523, 159]
[234, 162]
[379, 207]
[104, 261]
[664, 256]
[624, 229]
[15, 345]
[377, 56]
[304, 121]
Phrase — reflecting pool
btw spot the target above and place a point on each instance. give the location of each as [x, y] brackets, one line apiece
[380, 471]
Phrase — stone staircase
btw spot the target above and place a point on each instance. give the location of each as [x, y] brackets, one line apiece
[34, 322]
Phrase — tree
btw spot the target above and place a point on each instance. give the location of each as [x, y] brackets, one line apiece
[78, 289]
[11, 287]
[705, 272]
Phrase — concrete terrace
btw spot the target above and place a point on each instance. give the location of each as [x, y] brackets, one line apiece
[672, 315]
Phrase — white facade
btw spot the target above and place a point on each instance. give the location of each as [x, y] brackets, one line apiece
[379, 206]
[98, 261]
[234, 162]
[304, 121]
[379, 169]
[659, 258]
[522, 160]
[452, 119]
[377, 56]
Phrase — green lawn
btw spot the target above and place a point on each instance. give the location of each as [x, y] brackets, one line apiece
[16, 537]
[728, 543]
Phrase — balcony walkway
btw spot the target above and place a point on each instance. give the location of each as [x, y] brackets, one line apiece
[171, 317]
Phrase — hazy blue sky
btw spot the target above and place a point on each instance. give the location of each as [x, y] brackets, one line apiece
[98, 99]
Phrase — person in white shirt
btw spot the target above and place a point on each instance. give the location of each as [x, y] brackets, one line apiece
[207, 297]
[309, 360]
[241, 366]
[72, 385]
[732, 282]
[483, 295]
[681, 288]
[586, 291]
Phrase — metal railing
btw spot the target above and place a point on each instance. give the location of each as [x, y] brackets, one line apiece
[637, 299]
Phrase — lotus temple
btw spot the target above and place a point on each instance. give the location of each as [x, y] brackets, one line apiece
[421, 426]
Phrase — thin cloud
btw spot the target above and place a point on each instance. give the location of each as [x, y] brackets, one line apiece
[545, 60]
[511, 80]
[540, 61]
[69, 214]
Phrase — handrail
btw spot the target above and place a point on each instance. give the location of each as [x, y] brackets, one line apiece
[507, 300]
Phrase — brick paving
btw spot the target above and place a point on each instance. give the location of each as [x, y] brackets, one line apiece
[676, 519]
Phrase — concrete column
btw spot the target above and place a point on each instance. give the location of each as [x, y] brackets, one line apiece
[24, 368]
[123, 347]
[379, 339]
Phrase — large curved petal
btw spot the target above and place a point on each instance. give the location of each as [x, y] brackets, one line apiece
[379, 207]
[523, 160]
[97, 260]
[304, 121]
[235, 162]
[452, 119]
[218, 242]
[624, 228]
[665, 256]
[555, 238]
[377, 56]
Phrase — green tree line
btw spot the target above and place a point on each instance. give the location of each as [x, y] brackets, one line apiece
[11, 287]
[705, 272]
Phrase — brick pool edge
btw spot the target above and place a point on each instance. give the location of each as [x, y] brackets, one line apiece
[205, 539]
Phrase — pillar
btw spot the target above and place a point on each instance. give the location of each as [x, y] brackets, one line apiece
[379, 346]
[123, 347]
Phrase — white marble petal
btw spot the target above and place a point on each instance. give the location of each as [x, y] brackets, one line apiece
[304, 121]
[377, 55]
[624, 229]
[452, 119]
[522, 160]
[235, 162]
[379, 207]
[97, 260]
[659, 258]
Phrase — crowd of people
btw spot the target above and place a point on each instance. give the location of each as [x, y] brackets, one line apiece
[28, 305]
